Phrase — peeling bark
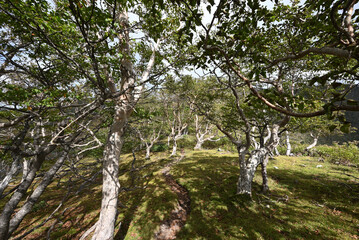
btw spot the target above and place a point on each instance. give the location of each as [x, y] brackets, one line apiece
[124, 106]
[110, 186]
[248, 169]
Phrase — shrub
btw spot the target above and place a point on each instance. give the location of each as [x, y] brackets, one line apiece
[159, 147]
[344, 154]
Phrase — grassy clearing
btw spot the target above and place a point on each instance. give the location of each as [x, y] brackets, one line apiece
[306, 202]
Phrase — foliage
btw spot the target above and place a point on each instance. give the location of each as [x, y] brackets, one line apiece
[160, 147]
[344, 154]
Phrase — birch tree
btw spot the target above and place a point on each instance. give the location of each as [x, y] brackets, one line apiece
[227, 110]
[73, 44]
[204, 132]
[317, 39]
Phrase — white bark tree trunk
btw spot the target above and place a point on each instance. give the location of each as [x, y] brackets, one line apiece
[198, 144]
[248, 169]
[110, 186]
[11, 205]
[149, 141]
[315, 142]
[257, 156]
[289, 147]
[124, 106]
[148, 152]
[174, 148]
[202, 132]
[25, 168]
[15, 166]
[27, 207]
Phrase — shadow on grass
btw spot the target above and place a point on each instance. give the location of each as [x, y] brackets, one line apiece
[309, 212]
[302, 205]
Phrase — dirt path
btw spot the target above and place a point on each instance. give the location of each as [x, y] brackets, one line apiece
[171, 226]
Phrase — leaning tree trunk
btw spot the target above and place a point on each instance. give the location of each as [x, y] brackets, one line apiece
[15, 166]
[25, 168]
[124, 106]
[315, 141]
[27, 207]
[11, 205]
[265, 187]
[106, 224]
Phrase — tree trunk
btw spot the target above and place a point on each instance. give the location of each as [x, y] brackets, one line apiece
[25, 168]
[289, 147]
[174, 148]
[198, 145]
[148, 151]
[264, 164]
[315, 141]
[124, 106]
[17, 196]
[26, 208]
[248, 169]
[110, 188]
[9, 175]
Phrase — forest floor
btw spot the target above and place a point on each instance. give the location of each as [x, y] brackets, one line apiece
[308, 199]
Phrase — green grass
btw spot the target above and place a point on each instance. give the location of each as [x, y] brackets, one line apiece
[320, 205]
[305, 202]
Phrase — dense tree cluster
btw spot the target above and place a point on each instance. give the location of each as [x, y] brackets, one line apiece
[79, 77]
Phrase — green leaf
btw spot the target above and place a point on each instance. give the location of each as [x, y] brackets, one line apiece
[345, 128]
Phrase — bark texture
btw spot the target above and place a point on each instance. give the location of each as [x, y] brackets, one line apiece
[15, 166]
[26, 208]
[11, 205]
[248, 168]
[124, 106]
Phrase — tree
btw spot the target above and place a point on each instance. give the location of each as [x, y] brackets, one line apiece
[317, 39]
[148, 122]
[235, 115]
[76, 43]
[204, 132]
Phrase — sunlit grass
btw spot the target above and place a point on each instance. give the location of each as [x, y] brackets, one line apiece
[306, 201]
